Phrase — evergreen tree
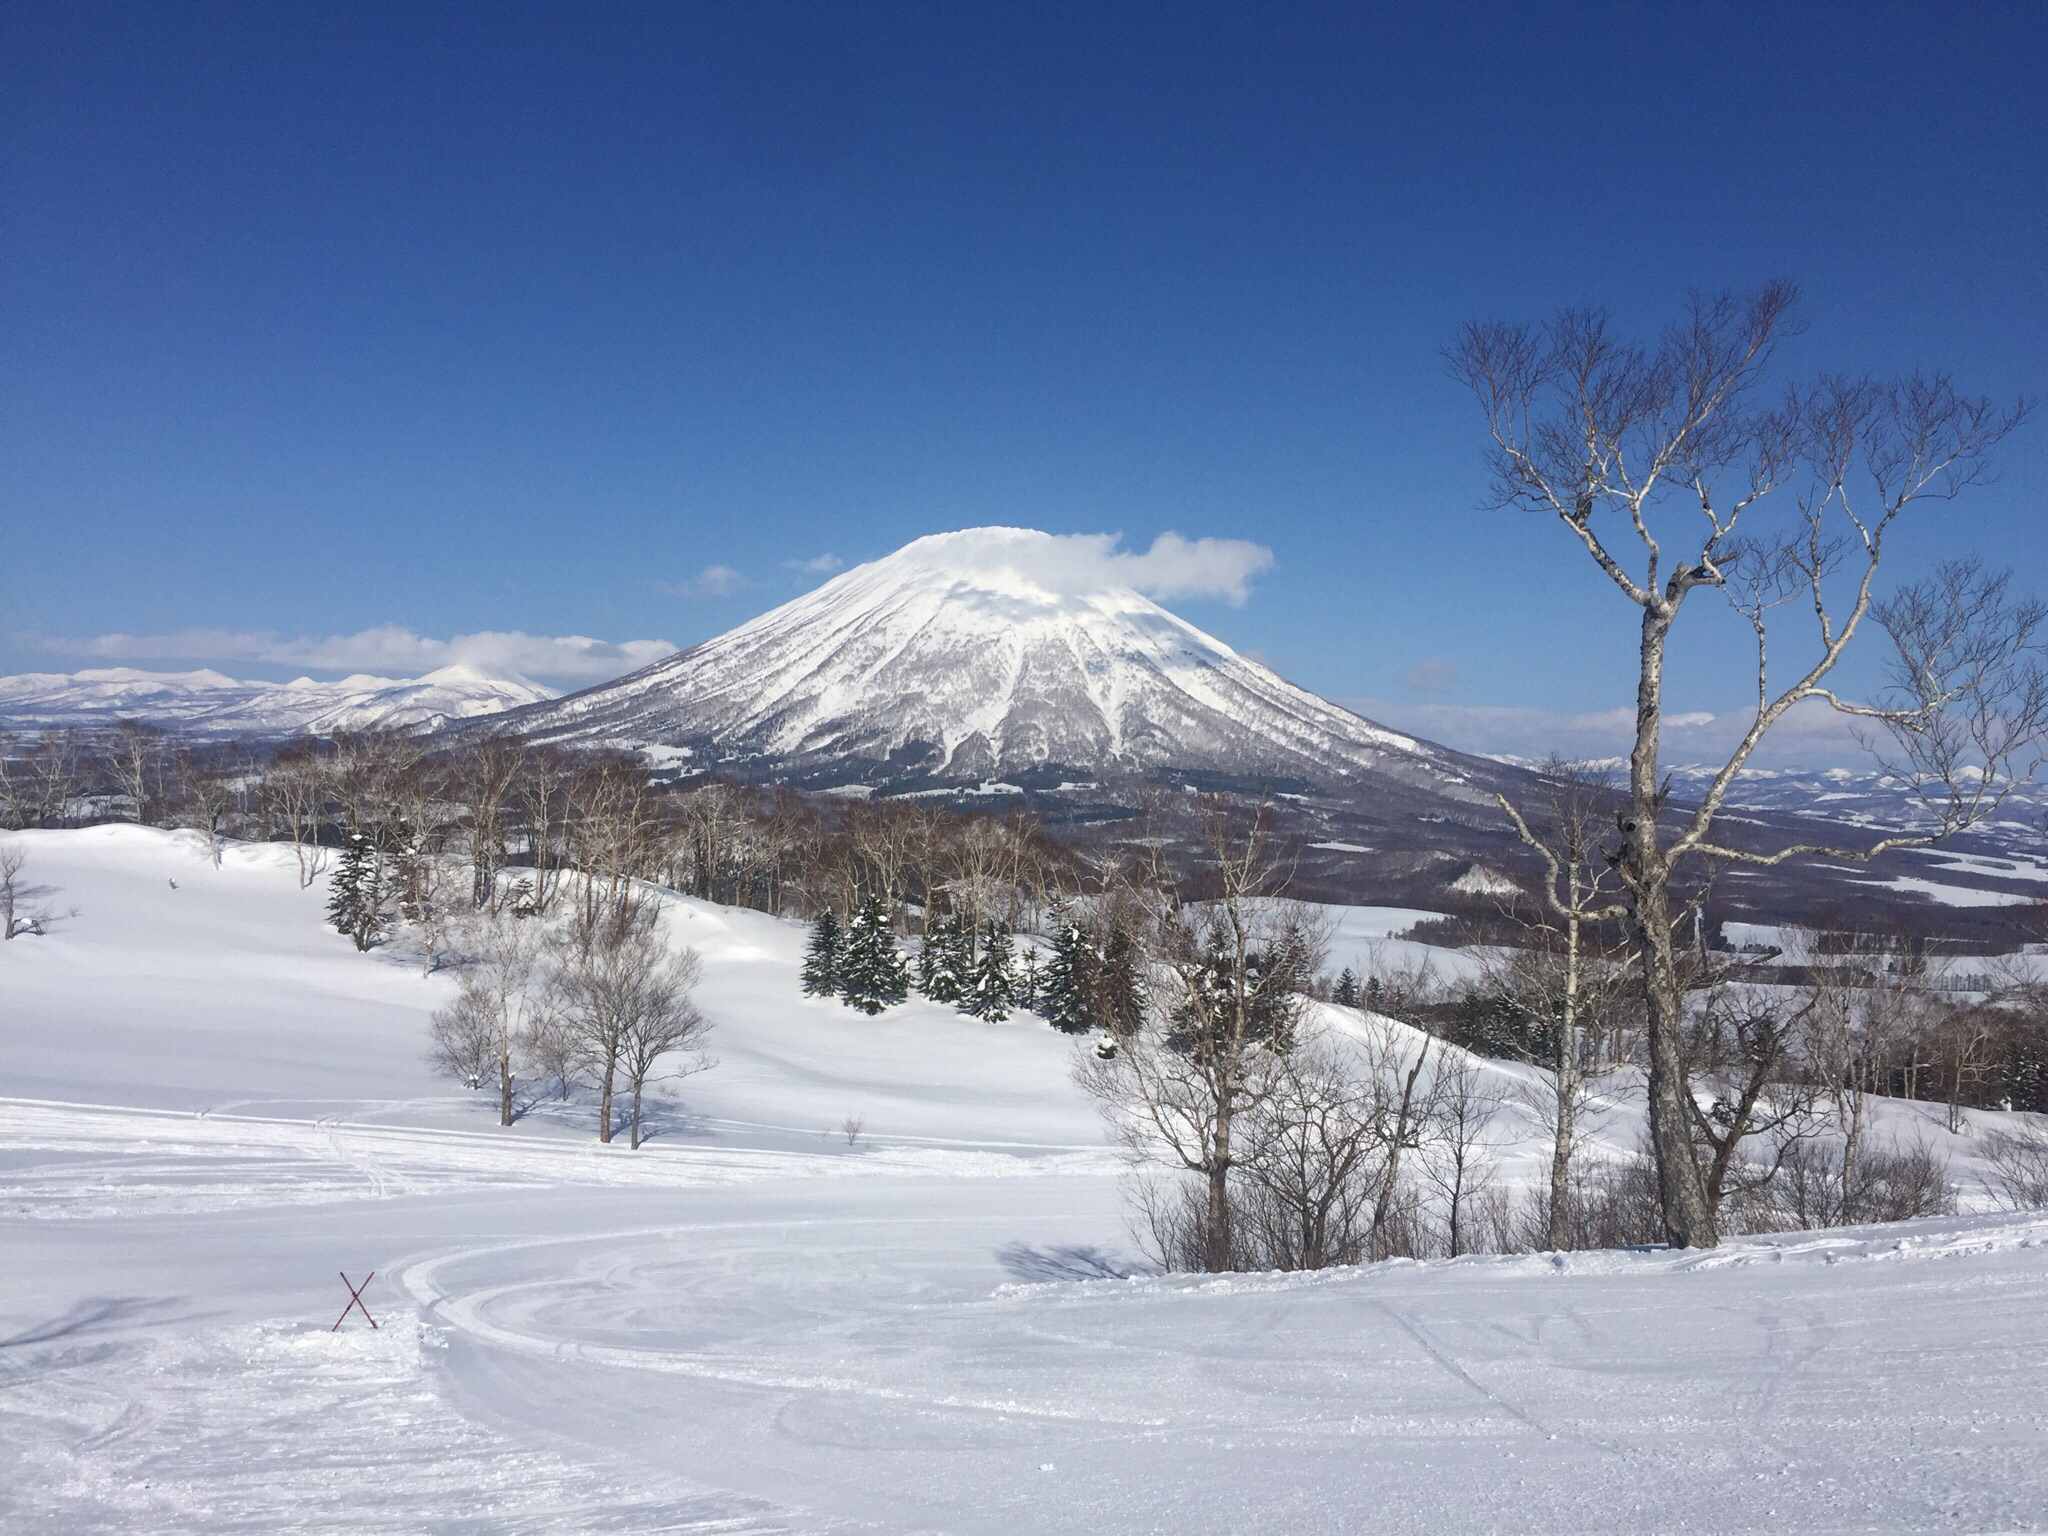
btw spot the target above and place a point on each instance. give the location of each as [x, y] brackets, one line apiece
[356, 896]
[944, 971]
[821, 959]
[1068, 977]
[1025, 982]
[1346, 995]
[989, 995]
[872, 975]
[1118, 995]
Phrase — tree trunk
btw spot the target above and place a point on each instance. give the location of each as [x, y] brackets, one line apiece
[1217, 1259]
[504, 1087]
[604, 1106]
[636, 1116]
[1689, 1220]
[1567, 1089]
[1688, 1215]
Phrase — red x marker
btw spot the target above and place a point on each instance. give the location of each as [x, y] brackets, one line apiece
[355, 1300]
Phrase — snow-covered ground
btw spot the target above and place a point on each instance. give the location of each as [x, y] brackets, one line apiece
[213, 1105]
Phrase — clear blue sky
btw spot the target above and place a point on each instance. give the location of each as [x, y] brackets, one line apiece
[318, 318]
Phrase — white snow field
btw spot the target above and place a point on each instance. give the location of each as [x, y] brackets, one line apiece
[213, 1104]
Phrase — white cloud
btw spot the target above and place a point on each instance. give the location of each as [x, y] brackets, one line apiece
[389, 650]
[1810, 736]
[712, 581]
[1075, 564]
[817, 565]
[1435, 675]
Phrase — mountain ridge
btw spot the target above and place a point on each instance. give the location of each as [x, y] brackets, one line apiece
[207, 703]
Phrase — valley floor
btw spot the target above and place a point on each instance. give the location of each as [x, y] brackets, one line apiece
[214, 1106]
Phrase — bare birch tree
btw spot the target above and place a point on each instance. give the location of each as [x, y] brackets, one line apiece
[1674, 474]
[1567, 966]
[134, 754]
[624, 1000]
[504, 1007]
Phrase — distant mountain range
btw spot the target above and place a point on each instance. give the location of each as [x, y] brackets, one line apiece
[212, 705]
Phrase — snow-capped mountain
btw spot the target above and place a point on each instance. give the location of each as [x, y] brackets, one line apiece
[983, 656]
[210, 704]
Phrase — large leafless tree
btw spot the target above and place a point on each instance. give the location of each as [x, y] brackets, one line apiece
[1677, 468]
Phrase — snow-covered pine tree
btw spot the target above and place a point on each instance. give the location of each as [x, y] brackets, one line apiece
[989, 996]
[1068, 975]
[1346, 995]
[355, 901]
[942, 971]
[1025, 980]
[821, 958]
[872, 975]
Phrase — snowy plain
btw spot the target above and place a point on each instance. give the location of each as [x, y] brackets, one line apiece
[212, 1104]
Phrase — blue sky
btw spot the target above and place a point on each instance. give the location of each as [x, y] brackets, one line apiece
[433, 320]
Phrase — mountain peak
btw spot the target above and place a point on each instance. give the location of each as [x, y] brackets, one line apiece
[987, 653]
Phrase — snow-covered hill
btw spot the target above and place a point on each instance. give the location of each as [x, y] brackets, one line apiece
[984, 656]
[212, 1104]
[209, 704]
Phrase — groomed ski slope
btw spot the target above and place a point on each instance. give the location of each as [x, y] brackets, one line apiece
[212, 1104]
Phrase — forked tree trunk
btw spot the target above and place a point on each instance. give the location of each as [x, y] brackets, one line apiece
[1689, 1218]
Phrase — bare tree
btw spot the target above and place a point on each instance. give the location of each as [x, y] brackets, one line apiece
[1229, 982]
[294, 793]
[544, 801]
[1740, 1047]
[504, 1007]
[1401, 1132]
[1629, 448]
[1568, 965]
[482, 779]
[663, 1034]
[624, 999]
[211, 784]
[13, 920]
[1458, 1155]
[38, 781]
[1314, 1156]
[135, 754]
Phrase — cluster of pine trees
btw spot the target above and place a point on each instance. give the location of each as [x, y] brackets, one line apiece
[1081, 982]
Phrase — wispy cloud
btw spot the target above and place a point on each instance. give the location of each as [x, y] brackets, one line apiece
[817, 565]
[1808, 737]
[712, 581]
[388, 649]
[1435, 675]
